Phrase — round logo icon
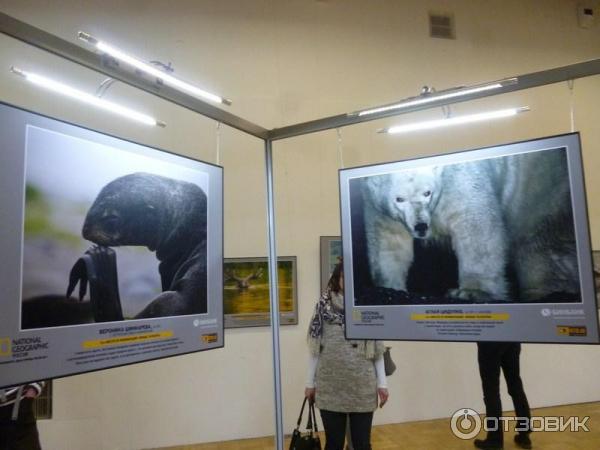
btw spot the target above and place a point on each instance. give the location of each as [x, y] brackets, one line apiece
[465, 423]
[196, 322]
[546, 312]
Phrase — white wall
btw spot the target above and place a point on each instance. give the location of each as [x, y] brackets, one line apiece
[281, 63]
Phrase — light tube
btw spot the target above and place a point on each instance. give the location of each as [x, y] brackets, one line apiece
[442, 95]
[427, 125]
[90, 99]
[151, 70]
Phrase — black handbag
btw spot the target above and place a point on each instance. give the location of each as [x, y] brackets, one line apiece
[388, 363]
[309, 440]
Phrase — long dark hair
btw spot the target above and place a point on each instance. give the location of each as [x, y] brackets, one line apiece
[334, 280]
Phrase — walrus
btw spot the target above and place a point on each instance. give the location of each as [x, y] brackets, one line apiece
[54, 311]
[168, 217]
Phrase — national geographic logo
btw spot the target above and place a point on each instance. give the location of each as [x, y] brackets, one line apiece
[22, 346]
[5, 347]
[368, 317]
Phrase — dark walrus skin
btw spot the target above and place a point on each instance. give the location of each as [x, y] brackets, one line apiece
[169, 217]
[98, 268]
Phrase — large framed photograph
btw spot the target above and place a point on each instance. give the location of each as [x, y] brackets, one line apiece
[246, 299]
[113, 250]
[489, 244]
[331, 256]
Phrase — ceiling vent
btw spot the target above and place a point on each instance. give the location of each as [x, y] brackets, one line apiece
[441, 26]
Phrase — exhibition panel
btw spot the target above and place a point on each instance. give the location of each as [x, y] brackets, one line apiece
[483, 245]
[139, 228]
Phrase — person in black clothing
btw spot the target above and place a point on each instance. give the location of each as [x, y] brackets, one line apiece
[18, 429]
[493, 356]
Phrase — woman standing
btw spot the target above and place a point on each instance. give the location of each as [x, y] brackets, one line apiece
[346, 378]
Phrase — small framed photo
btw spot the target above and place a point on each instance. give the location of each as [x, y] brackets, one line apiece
[246, 292]
[331, 255]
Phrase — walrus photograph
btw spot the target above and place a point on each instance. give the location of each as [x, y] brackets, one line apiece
[110, 235]
[490, 230]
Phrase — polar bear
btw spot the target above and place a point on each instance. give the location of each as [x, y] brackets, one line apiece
[454, 204]
[536, 198]
[499, 213]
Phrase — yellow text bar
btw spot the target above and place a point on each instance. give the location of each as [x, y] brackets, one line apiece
[134, 338]
[466, 316]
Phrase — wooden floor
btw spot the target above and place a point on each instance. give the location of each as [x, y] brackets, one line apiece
[436, 435]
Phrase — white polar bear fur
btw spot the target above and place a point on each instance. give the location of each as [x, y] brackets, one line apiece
[455, 203]
[536, 199]
[472, 205]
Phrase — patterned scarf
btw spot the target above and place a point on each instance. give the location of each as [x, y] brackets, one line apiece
[327, 311]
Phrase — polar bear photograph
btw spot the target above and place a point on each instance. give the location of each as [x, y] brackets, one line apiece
[485, 231]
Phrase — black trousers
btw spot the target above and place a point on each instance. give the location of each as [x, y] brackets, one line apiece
[335, 429]
[493, 356]
[20, 434]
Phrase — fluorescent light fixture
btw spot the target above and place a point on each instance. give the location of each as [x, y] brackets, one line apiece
[427, 125]
[151, 70]
[76, 94]
[434, 97]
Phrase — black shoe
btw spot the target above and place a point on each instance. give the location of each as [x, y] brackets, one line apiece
[487, 444]
[523, 441]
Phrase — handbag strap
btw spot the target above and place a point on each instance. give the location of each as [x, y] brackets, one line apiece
[314, 417]
[311, 424]
[301, 412]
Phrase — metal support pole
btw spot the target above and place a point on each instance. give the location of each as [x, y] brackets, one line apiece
[274, 296]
